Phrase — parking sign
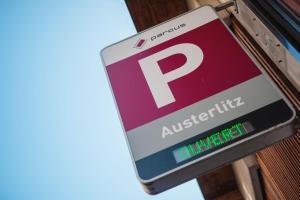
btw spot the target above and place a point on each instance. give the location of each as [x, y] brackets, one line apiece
[191, 99]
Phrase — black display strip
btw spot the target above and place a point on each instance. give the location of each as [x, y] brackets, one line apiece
[261, 119]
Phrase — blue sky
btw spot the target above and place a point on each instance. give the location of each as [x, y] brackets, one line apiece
[60, 136]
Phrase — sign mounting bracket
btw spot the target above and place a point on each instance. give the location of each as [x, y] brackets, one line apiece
[226, 5]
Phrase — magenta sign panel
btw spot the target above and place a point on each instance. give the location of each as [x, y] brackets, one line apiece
[134, 98]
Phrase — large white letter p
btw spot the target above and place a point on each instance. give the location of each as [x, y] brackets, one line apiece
[158, 82]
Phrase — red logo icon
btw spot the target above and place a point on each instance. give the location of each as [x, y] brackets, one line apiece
[140, 43]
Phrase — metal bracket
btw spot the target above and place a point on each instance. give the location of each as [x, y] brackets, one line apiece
[226, 5]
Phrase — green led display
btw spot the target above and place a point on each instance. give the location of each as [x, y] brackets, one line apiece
[212, 141]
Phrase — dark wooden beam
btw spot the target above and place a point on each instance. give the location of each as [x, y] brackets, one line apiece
[220, 184]
[147, 13]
